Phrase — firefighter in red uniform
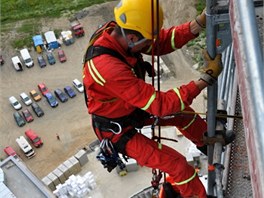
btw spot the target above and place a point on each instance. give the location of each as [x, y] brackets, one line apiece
[119, 100]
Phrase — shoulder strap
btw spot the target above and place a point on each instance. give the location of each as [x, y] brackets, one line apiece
[94, 51]
[100, 30]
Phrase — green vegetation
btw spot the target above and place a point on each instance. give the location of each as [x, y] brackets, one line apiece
[30, 11]
[14, 10]
[26, 31]
[31, 27]
[200, 5]
[196, 45]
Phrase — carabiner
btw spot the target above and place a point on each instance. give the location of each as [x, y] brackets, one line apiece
[119, 126]
[156, 120]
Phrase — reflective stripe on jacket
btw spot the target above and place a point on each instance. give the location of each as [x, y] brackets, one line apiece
[114, 90]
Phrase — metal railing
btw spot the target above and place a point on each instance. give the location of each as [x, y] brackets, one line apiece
[243, 58]
[250, 68]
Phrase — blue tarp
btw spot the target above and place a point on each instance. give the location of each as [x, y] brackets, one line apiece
[37, 39]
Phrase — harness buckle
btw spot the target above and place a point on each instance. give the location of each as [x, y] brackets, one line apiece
[119, 127]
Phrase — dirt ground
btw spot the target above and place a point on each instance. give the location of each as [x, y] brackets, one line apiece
[70, 120]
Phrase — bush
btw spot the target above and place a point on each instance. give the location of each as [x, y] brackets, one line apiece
[22, 42]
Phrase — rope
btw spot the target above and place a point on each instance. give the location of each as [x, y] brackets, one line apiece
[156, 177]
[217, 115]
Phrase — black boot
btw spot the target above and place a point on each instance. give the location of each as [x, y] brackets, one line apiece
[229, 137]
[224, 137]
[203, 149]
[169, 191]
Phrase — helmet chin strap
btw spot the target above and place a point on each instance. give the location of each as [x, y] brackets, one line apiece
[130, 43]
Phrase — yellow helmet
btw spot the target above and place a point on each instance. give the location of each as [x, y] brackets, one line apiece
[137, 15]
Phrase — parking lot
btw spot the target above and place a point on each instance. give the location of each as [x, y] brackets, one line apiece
[69, 120]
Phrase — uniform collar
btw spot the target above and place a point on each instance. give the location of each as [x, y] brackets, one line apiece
[108, 41]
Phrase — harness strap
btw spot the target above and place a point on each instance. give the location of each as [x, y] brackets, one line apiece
[105, 124]
[120, 145]
[94, 51]
[115, 126]
[108, 125]
[135, 119]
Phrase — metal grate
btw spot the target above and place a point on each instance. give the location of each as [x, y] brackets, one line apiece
[239, 185]
[259, 19]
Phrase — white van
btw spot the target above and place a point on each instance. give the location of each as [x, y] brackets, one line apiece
[26, 58]
[25, 147]
[17, 63]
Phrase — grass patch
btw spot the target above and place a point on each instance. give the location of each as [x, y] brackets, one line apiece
[57, 32]
[31, 27]
[195, 46]
[27, 29]
[200, 5]
[22, 42]
[14, 10]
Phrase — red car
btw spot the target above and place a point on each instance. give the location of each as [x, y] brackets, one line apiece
[27, 115]
[61, 56]
[34, 138]
[10, 151]
[43, 88]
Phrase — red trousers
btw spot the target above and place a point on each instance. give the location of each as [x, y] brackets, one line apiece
[148, 153]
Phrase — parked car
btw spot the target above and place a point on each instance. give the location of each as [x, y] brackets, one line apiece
[78, 85]
[36, 108]
[10, 151]
[51, 58]
[14, 102]
[33, 138]
[61, 95]
[27, 115]
[61, 56]
[28, 61]
[25, 147]
[68, 90]
[19, 119]
[25, 98]
[17, 63]
[51, 100]
[35, 95]
[41, 61]
[43, 88]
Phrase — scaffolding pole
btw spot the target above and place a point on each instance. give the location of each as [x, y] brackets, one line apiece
[211, 92]
[217, 29]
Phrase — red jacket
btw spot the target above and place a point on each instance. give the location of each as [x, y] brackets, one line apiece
[114, 90]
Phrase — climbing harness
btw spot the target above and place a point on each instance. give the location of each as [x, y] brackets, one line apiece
[155, 182]
[108, 154]
[109, 157]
